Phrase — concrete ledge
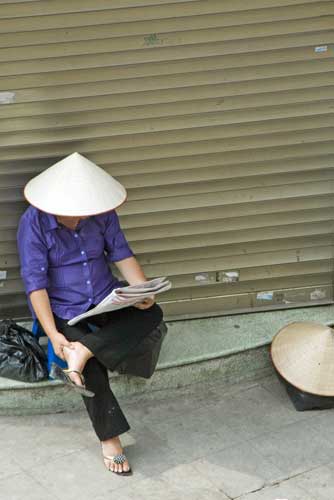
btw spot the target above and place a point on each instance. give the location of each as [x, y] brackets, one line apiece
[228, 348]
[52, 396]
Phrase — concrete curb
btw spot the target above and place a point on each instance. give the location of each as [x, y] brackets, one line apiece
[229, 348]
[53, 396]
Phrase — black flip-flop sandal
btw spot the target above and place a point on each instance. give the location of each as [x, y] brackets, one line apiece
[62, 374]
[119, 459]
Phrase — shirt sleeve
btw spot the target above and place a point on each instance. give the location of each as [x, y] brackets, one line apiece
[33, 254]
[116, 244]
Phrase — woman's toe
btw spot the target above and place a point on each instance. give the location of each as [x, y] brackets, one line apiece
[108, 464]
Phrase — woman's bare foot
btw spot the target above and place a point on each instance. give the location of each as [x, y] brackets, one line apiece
[76, 359]
[110, 447]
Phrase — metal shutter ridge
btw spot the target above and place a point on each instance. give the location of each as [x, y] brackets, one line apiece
[216, 115]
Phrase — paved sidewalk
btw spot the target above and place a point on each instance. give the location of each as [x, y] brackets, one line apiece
[202, 442]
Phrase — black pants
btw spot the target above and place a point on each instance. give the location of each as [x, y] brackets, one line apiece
[118, 335]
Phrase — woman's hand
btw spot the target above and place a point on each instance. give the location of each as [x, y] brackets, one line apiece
[58, 341]
[145, 303]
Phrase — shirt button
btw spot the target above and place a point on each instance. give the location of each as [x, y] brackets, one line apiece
[85, 264]
[90, 300]
[88, 282]
[75, 235]
[82, 252]
[42, 268]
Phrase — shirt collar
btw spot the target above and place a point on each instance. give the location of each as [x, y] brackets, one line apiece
[50, 221]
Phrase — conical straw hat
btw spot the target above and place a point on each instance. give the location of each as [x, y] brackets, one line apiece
[74, 186]
[303, 354]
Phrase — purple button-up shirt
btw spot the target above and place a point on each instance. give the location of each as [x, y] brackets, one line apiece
[71, 264]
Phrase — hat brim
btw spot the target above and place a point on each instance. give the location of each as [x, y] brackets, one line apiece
[303, 355]
[67, 214]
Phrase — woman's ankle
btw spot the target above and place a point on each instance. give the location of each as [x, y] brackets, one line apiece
[75, 358]
[114, 440]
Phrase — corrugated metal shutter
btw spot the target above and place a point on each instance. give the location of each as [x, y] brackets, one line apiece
[216, 115]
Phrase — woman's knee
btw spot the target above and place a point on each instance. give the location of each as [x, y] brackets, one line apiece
[154, 311]
[156, 314]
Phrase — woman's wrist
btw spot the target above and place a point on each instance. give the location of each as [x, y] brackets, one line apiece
[52, 334]
[137, 282]
[131, 271]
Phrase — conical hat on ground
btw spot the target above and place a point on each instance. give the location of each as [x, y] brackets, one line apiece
[303, 354]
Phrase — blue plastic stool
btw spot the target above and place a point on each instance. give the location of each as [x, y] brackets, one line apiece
[38, 332]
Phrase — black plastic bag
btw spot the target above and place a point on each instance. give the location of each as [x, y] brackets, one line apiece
[303, 401]
[21, 357]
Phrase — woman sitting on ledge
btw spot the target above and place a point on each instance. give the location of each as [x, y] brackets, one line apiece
[66, 238]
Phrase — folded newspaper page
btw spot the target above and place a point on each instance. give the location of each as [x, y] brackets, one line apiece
[126, 296]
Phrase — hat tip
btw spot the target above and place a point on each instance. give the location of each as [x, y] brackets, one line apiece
[76, 156]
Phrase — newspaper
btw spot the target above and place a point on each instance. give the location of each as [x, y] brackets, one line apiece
[125, 296]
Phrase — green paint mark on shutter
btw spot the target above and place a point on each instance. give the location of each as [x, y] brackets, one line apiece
[152, 39]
